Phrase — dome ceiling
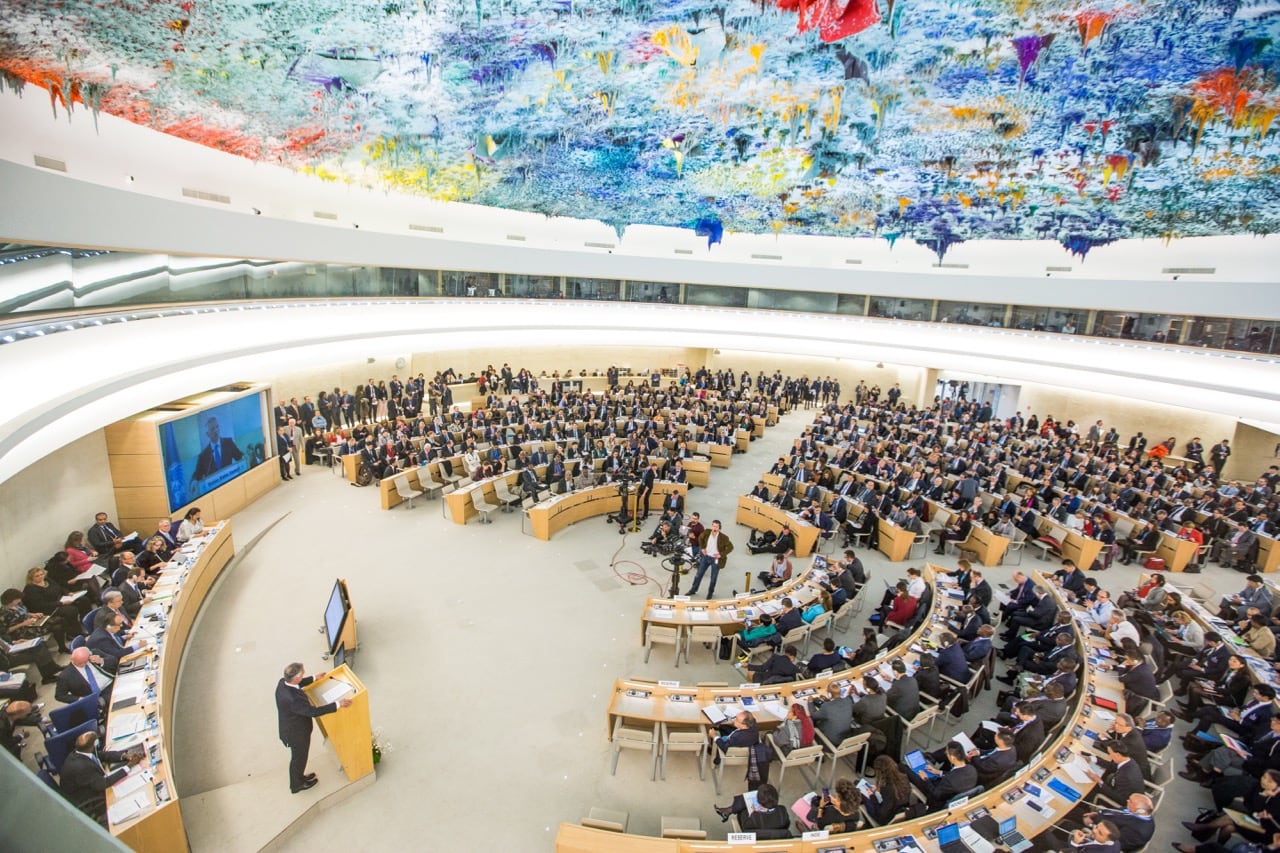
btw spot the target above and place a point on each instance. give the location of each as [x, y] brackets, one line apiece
[927, 120]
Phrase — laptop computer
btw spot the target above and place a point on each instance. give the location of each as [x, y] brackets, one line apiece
[1010, 837]
[916, 761]
[949, 839]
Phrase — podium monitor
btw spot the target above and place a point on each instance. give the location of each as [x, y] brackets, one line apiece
[336, 613]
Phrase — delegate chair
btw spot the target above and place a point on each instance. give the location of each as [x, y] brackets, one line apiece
[406, 492]
[662, 634]
[627, 737]
[683, 740]
[608, 819]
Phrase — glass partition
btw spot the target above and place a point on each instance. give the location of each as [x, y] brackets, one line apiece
[591, 288]
[652, 291]
[793, 300]
[712, 294]
[532, 286]
[971, 313]
[56, 281]
[1067, 321]
[902, 309]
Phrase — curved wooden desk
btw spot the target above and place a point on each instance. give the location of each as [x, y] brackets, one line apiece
[683, 612]
[759, 515]
[553, 515]
[179, 594]
[650, 702]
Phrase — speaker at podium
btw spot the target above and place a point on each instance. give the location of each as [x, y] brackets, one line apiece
[348, 729]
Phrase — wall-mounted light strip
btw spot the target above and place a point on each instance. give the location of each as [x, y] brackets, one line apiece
[1189, 270]
[434, 229]
[1057, 269]
[591, 245]
[766, 257]
[50, 163]
[204, 195]
[951, 266]
[321, 214]
[684, 251]
[852, 260]
[516, 238]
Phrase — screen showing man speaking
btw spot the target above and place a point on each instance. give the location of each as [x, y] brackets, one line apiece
[209, 448]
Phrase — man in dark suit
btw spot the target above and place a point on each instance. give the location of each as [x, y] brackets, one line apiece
[1037, 615]
[105, 641]
[834, 716]
[217, 454]
[904, 694]
[105, 538]
[951, 662]
[1028, 734]
[84, 779]
[995, 763]
[1134, 822]
[979, 597]
[959, 777]
[296, 714]
[789, 619]
[1124, 731]
[82, 678]
[1120, 774]
[780, 668]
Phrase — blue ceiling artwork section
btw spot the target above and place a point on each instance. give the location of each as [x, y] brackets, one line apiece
[928, 120]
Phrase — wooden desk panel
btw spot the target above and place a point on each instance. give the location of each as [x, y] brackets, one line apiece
[723, 613]
[649, 702]
[160, 828]
[721, 455]
[1268, 555]
[551, 516]
[895, 542]
[759, 515]
[1175, 552]
[990, 547]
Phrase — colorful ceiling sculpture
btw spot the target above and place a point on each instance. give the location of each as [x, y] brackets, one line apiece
[933, 120]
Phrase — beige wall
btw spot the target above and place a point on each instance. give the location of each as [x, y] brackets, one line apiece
[1127, 416]
[1253, 451]
[48, 500]
[846, 371]
[537, 359]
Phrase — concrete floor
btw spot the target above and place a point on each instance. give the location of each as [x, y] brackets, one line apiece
[489, 657]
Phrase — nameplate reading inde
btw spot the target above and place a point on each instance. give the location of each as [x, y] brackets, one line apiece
[816, 835]
[741, 838]
[668, 684]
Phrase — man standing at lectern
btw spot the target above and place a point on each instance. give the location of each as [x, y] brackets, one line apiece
[296, 713]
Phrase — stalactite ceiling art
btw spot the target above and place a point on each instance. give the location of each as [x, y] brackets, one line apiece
[935, 120]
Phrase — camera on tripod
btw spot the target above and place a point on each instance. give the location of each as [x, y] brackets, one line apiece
[663, 547]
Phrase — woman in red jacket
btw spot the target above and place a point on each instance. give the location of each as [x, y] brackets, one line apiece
[903, 606]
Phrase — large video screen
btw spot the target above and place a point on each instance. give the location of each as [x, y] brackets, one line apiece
[206, 449]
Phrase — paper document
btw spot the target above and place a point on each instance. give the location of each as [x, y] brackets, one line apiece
[965, 742]
[698, 614]
[126, 725]
[1077, 769]
[126, 808]
[71, 597]
[135, 781]
[776, 708]
[991, 725]
[24, 645]
[336, 691]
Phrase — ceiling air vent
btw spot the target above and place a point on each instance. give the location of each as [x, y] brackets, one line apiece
[434, 229]
[187, 192]
[1057, 269]
[766, 257]
[591, 245]
[49, 163]
[1189, 270]
[320, 214]
[951, 266]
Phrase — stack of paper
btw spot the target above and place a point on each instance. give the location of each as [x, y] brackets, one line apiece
[125, 725]
[135, 781]
[126, 808]
[336, 691]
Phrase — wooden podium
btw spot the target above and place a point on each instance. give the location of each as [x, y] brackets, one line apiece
[347, 729]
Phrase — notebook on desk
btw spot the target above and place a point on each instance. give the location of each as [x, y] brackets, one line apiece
[1063, 789]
